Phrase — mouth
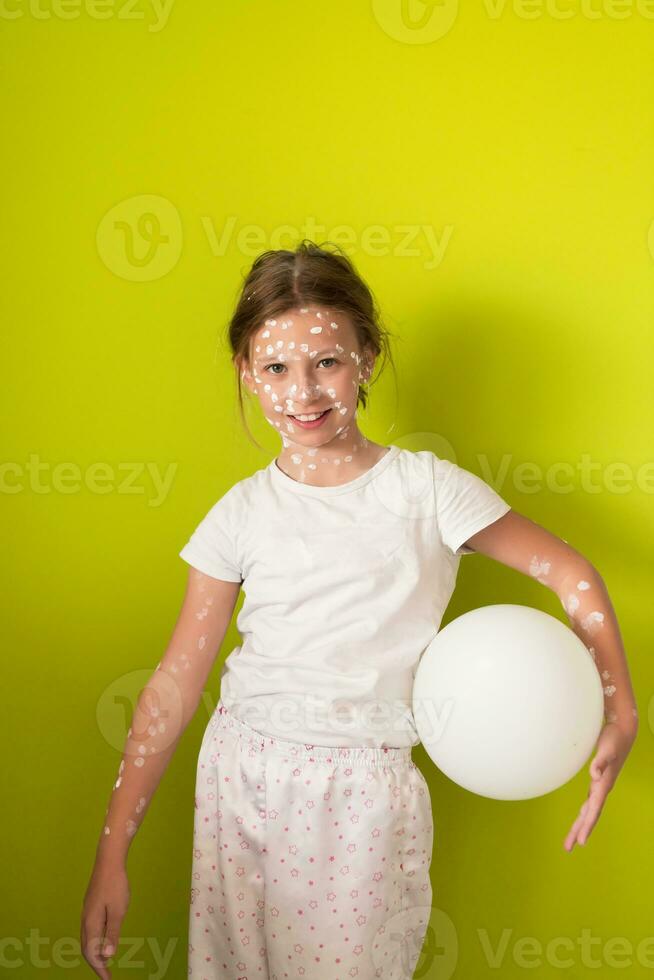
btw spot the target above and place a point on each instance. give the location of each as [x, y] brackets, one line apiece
[310, 420]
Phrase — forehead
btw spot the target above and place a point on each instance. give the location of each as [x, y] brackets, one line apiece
[315, 327]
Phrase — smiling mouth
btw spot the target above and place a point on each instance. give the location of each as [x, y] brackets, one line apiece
[309, 416]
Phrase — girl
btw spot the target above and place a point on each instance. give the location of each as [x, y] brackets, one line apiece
[313, 827]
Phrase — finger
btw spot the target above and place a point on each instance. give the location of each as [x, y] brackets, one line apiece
[94, 930]
[572, 834]
[93, 954]
[596, 805]
[112, 934]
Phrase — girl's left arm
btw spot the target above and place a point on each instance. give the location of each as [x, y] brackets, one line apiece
[518, 542]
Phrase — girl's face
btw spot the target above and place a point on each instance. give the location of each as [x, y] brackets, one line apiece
[303, 362]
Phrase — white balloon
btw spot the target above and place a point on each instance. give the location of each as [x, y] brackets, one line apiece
[508, 702]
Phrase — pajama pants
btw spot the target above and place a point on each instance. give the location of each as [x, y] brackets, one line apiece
[308, 861]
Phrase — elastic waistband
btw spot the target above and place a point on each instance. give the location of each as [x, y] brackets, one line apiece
[369, 756]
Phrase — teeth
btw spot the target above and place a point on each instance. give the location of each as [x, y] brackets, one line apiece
[308, 418]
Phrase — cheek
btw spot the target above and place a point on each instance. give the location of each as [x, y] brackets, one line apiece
[271, 393]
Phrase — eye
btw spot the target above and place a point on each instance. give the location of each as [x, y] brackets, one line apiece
[279, 364]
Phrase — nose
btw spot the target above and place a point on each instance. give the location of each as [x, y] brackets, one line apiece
[306, 391]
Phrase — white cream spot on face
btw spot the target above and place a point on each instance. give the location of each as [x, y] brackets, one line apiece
[315, 330]
[265, 333]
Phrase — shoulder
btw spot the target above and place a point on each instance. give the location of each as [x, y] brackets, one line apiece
[444, 478]
[239, 497]
[423, 463]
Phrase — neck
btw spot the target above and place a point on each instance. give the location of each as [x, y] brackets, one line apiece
[338, 461]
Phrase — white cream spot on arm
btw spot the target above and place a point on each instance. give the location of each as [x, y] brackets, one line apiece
[539, 568]
[593, 621]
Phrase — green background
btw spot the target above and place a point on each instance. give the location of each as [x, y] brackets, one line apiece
[517, 137]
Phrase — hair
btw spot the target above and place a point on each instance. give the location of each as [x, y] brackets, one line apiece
[282, 279]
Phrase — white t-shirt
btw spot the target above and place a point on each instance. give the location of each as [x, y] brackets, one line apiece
[344, 589]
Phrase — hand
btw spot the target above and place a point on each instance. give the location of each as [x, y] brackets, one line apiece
[613, 746]
[105, 904]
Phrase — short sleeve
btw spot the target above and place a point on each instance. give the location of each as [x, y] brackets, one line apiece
[464, 505]
[212, 547]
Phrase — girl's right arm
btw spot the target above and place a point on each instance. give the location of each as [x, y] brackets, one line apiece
[163, 710]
